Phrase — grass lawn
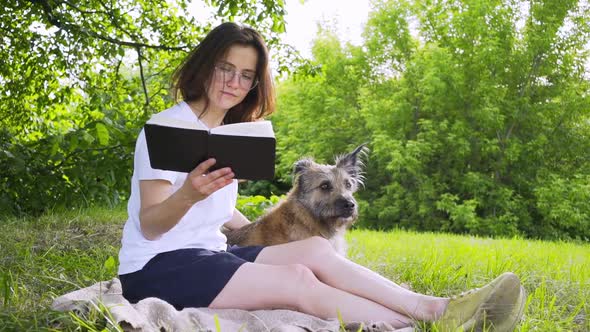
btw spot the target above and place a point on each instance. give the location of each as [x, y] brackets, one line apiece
[45, 257]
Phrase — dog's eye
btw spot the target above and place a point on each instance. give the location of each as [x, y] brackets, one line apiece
[325, 186]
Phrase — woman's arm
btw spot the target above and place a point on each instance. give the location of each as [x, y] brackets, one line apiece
[161, 210]
[238, 220]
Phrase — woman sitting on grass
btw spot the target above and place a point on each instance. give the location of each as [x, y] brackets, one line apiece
[172, 247]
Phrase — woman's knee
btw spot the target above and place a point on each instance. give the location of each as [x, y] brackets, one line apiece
[311, 252]
[304, 283]
[302, 277]
[318, 248]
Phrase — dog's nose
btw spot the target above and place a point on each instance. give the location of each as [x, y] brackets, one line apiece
[346, 204]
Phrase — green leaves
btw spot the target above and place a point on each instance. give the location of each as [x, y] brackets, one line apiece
[73, 97]
[110, 266]
[59, 50]
[253, 207]
[564, 203]
[461, 216]
[477, 112]
[102, 133]
[470, 113]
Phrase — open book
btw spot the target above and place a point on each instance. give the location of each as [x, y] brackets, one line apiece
[248, 148]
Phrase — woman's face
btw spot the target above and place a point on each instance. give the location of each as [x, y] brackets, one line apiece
[233, 77]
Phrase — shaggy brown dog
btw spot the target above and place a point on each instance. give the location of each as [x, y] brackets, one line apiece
[319, 204]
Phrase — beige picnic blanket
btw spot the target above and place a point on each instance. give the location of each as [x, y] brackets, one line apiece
[153, 314]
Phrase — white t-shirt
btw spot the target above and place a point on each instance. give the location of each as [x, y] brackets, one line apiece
[200, 226]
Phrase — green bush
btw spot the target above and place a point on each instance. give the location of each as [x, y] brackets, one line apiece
[83, 167]
[254, 206]
[564, 204]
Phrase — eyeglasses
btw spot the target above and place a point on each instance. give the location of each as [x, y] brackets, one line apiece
[227, 72]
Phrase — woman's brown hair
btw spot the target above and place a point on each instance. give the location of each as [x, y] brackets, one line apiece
[190, 80]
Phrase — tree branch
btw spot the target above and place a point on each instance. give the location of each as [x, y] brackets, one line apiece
[57, 22]
[521, 92]
[114, 20]
[145, 92]
[67, 159]
[86, 12]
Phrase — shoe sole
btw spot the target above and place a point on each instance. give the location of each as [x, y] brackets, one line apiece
[474, 323]
[471, 323]
[518, 317]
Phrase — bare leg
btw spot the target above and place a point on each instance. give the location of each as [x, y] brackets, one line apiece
[259, 286]
[318, 255]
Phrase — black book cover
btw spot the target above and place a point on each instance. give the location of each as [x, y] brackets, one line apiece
[182, 149]
[249, 157]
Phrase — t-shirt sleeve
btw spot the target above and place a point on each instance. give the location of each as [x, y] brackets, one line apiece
[142, 166]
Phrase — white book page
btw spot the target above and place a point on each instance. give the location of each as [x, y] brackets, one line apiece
[255, 129]
[176, 123]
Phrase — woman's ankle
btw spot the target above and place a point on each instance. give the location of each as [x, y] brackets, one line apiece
[431, 309]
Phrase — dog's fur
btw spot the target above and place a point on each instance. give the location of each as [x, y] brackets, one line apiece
[321, 203]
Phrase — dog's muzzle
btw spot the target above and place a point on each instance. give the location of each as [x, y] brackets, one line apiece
[346, 208]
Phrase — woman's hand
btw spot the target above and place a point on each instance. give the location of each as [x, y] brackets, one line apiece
[160, 210]
[200, 183]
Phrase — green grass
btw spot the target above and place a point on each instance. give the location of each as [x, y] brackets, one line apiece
[555, 275]
[45, 257]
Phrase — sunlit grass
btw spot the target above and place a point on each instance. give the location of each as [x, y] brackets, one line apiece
[46, 257]
[556, 275]
[52, 255]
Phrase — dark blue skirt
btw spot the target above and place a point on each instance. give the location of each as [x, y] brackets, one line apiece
[186, 277]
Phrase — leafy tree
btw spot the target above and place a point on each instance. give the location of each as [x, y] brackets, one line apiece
[79, 78]
[319, 114]
[477, 112]
[486, 109]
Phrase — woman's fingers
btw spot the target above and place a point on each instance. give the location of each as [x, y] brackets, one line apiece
[201, 183]
[202, 170]
[220, 182]
[203, 167]
[218, 173]
[205, 183]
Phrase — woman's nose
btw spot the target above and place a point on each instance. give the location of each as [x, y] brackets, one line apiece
[234, 82]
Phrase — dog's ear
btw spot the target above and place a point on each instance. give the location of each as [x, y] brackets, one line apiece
[353, 163]
[301, 166]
